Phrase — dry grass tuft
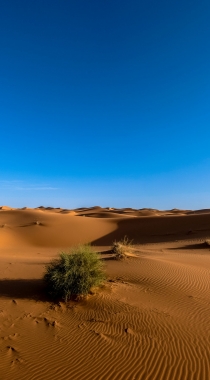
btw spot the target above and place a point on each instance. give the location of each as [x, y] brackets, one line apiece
[121, 248]
[207, 243]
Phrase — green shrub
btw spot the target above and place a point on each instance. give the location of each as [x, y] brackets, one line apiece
[74, 273]
[121, 248]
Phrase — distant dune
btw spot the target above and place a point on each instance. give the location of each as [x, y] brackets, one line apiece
[149, 321]
[56, 227]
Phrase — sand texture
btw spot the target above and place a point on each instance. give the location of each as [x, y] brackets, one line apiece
[150, 320]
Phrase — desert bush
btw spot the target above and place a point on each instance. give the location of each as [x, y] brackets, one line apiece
[121, 248]
[73, 274]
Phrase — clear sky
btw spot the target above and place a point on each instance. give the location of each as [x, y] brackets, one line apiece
[105, 102]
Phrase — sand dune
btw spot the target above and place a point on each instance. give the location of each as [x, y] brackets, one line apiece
[48, 227]
[149, 321]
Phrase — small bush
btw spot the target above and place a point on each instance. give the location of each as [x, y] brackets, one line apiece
[74, 273]
[121, 248]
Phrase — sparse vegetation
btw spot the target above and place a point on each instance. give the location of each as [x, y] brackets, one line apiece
[207, 243]
[73, 274]
[121, 248]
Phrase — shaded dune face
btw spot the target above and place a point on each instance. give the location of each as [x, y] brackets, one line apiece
[49, 227]
[150, 321]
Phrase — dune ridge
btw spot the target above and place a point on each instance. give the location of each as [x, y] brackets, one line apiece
[150, 321]
[61, 227]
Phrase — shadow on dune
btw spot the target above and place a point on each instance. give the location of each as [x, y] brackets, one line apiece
[24, 289]
[158, 229]
[188, 247]
[108, 258]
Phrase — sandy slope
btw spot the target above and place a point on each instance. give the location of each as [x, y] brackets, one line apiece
[151, 319]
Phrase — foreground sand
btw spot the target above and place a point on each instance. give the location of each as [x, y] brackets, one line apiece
[150, 321]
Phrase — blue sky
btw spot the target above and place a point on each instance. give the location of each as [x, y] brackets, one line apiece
[105, 102]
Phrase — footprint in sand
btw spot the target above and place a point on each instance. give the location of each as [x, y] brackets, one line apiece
[17, 361]
[48, 322]
[27, 315]
[12, 350]
[11, 337]
[53, 323]
[16, 358]
[129, 331]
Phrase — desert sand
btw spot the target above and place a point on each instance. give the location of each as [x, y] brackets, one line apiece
[150, 320]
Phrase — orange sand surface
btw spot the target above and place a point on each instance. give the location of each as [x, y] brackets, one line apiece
[150, 320]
